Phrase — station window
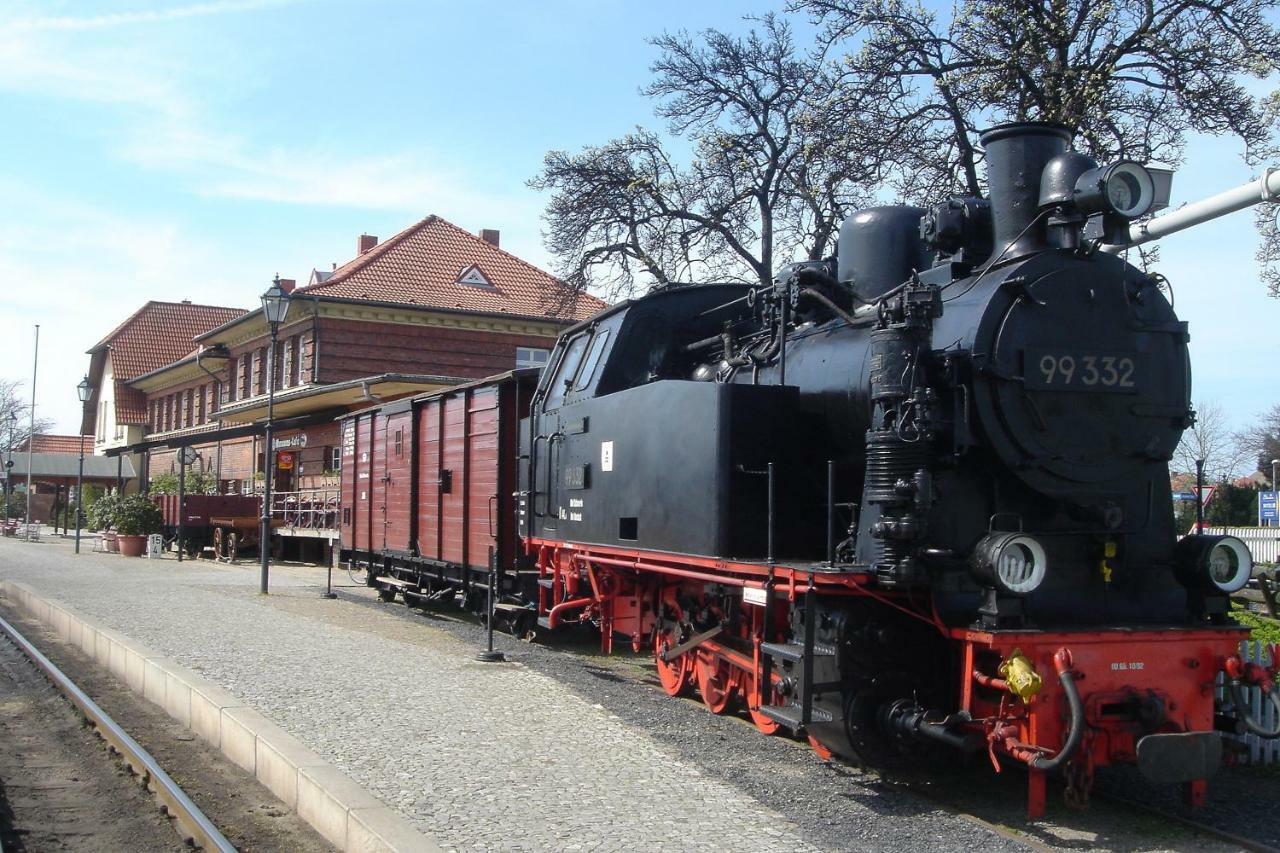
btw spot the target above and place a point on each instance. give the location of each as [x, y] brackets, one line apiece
[531, 357]
[335, 458]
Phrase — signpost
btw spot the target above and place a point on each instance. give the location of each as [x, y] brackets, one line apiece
[1267, 510]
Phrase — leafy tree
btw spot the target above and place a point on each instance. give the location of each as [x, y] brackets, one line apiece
[1134, 78]
[197, 483]
[782, 147]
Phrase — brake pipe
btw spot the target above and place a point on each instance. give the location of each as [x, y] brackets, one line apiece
[1033, 756]
[1243, 675]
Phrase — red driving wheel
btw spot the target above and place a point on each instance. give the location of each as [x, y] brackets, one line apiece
[676, 675]
[715, 681]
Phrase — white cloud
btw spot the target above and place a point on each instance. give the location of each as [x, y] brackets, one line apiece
[68, 23]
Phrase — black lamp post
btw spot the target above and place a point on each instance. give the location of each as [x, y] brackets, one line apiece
[8, 465]
[275, 305]
[83, 390]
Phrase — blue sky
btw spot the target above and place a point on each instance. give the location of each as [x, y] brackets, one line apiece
[192, 150]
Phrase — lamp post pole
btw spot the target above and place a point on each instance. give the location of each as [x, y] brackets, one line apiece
[83, 390]
[8, 465]
[1199, 496]
[1275, 487]
[275, 305]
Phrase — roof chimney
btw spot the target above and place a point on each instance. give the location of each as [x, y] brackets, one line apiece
[490, 236]
[366, 242]
[288, 284]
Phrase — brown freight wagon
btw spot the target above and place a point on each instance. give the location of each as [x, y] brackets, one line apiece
[428, 488]
[198, 513]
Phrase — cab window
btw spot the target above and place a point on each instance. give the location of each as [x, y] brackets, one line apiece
[592, 361]
[567, 370]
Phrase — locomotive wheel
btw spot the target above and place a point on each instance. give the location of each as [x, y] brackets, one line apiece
[715, 681]
[764, 724]
[676, 675]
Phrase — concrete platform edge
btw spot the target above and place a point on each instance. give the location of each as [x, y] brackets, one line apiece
[326, 798]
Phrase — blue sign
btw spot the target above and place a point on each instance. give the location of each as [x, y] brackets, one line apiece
[1267, 509]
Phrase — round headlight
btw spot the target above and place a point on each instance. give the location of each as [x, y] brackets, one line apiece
[1013, 563]
[1126, 188]
[1214, 562]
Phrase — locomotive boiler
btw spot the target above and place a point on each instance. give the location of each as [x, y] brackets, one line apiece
[913, 497]
[910, 499]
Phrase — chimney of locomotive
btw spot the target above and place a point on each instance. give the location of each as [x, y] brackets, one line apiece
[1016, 156]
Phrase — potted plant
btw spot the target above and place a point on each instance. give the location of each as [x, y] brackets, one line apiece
[101, 517]
[136, 518]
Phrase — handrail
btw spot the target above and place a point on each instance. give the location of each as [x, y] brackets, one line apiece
[308, 509]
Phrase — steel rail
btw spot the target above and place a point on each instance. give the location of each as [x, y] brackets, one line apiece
[1241, 841]
[167, 791]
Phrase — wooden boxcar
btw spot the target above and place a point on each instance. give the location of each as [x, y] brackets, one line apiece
[428, 487]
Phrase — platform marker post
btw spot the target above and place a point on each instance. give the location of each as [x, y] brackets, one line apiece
[489, 655]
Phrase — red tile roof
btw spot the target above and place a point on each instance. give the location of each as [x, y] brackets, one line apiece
[157, 334]
[423, 265]
[59, 444]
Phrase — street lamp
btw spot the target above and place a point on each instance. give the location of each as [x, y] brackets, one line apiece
[83, 390]
[8, 465]
[275, 305]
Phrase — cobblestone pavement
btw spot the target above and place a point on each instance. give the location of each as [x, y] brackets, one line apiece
[480, 756]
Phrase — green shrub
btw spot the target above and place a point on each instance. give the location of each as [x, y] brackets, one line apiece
[102, 512]
[198, 483]
[137, 515]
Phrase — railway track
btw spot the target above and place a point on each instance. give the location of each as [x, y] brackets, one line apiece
[62, 800]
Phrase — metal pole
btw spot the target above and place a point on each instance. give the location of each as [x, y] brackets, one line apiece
[489, 655]
[182, 500]
[1275, 488]
[31, 431]
[1199, 496]
[79, 492]
[771, 516]
[831, 512]
[268, 465]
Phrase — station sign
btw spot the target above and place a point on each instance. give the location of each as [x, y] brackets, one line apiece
[1267, 510]
[299, 440]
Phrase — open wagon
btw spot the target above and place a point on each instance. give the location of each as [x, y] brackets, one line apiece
[197, 512]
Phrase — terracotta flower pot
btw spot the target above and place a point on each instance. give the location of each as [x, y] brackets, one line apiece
[132, 546]
[110, 541]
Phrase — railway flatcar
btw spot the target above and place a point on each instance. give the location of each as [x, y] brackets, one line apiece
[428, 492]
[908, 499]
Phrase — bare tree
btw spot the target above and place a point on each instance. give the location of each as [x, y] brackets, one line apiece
[1262, 440]
[1225, 455]
[781, 150]
[1133, 78]
[15, 411]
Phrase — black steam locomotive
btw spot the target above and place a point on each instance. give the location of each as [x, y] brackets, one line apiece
[933, 467]
[912, 497]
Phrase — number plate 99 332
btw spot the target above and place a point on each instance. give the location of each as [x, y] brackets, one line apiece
[1075, 370]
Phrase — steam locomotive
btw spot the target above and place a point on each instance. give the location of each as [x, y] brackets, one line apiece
[911, 498]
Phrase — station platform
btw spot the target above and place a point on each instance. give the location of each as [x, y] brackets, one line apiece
[475, 756]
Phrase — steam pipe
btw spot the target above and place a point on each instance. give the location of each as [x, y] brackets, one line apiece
[1266, 188]
[1062, 663]
[1242, 708]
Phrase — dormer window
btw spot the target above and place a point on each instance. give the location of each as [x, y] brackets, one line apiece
[473, 277]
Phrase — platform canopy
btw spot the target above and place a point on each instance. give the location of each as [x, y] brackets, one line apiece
[62, 467]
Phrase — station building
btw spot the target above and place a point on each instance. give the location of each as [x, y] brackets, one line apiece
[431, 307]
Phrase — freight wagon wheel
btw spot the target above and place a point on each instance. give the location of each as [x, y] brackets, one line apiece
[217, 543]
[764, 724]
[676, 675]
[715, 681]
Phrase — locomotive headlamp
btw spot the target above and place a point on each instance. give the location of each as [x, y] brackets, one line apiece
[1014, 563]
[1213, 562]
[1125, 188]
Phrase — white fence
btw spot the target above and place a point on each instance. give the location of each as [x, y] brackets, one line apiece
[1253, 749]
[1263, 542]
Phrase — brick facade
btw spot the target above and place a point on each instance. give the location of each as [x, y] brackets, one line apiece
[351, 350]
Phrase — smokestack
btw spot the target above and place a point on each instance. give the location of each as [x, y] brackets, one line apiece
[490, 236]
[365, 243]
[288, 284]
[1016, 157]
